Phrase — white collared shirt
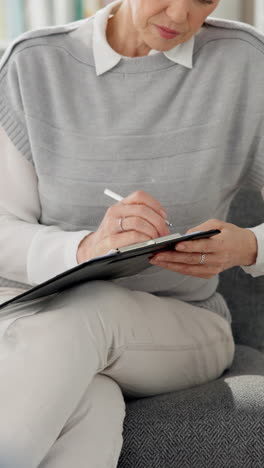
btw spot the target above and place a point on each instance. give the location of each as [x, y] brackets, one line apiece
[33, 252]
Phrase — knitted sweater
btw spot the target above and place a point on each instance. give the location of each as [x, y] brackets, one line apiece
[192, 139]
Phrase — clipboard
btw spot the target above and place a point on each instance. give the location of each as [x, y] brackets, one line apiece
[125, 261]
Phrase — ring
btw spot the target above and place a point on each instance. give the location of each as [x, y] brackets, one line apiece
[202, 260]
[120, 222]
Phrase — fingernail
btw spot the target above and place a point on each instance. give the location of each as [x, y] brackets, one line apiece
[163, 213]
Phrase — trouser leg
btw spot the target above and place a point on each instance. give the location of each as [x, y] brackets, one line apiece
[172, 345]
[148, 345]
[92, 437]
[47, 361]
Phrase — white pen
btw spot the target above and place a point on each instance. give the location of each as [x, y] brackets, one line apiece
[117, 197]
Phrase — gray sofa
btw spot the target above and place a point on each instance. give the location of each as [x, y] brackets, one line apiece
[219, 424]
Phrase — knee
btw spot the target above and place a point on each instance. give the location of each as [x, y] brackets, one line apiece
[222, 353]
[101, 308]
[230, 350]
[98, 289]
[102, 299]
[104, 389]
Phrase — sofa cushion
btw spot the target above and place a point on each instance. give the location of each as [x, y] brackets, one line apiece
[243, 293]
[214, 425]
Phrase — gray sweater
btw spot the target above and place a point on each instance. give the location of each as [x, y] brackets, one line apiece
[191, 138]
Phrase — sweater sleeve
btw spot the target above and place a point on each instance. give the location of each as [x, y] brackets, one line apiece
[12, 118]
[31, 253]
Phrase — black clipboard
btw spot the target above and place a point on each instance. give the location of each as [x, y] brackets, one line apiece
[126, 261]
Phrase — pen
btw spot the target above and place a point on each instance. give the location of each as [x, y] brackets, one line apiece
[117, 197]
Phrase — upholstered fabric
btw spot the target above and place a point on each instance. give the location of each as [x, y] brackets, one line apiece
[219, 424]
[216, 425]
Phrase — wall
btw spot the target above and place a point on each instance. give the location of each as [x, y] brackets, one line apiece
[229, 9]
[259, 14]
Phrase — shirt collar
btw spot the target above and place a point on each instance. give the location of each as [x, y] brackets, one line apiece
[106, 58]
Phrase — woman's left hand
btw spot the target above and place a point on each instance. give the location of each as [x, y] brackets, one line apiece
[233, 246]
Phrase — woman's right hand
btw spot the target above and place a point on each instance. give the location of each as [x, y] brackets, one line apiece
[143, 219]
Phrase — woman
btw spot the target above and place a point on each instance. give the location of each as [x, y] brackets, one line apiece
[171, 120]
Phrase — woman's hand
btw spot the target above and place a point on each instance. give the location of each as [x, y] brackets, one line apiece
[233, 246]
[143, 218]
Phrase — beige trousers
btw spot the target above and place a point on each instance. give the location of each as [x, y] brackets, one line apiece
[67, 359]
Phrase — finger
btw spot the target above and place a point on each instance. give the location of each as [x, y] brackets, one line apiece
[115, 241]
[207, 225]
[143, 198]
[140, 225]
[125, 238]
[201, 271]
[188, 259]
[201, 245]
[121, 210]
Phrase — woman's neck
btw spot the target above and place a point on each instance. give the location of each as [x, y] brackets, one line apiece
[122, 35]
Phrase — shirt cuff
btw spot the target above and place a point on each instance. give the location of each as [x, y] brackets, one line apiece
[52, 251]
[257, 269]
